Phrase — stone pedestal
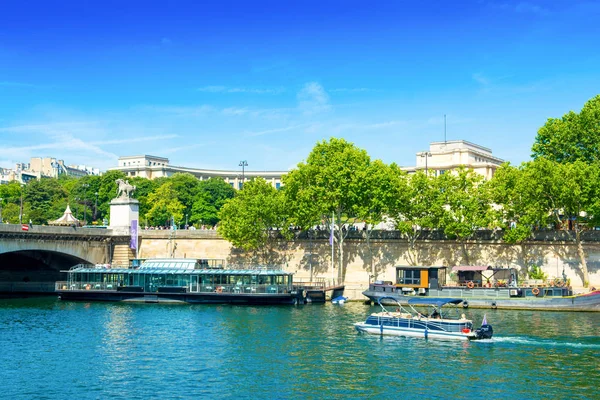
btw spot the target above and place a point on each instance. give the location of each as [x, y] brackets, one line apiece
[122, 212]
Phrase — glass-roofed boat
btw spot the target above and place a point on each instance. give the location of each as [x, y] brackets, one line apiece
[179, 280]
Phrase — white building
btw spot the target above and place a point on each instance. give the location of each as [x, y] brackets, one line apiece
[447, 156]
[153, 167]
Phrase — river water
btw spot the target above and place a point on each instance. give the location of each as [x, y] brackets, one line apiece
[75, 350]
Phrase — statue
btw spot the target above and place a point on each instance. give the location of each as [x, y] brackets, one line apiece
[124, 189]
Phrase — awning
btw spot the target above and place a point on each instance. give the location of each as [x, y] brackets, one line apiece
[459, 268]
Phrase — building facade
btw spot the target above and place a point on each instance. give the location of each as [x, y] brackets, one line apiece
[447, 156]
[152, 167]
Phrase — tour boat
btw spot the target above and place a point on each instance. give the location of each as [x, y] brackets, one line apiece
[184, 280]
[427, 318]
[476, 289]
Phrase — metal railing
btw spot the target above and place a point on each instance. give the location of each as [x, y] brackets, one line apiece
[190, 288]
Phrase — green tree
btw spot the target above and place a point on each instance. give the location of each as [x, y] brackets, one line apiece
[572, 137]
[186, 187]
[248, 219]
[568, 194]
[208, 208]
[165, 205]
[329, 187]
[143, 188]
[385, 183]
[46, 199]
[417, 207]
[466, 205]
[107, 191]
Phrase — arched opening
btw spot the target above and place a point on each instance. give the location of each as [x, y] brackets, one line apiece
[33, 271]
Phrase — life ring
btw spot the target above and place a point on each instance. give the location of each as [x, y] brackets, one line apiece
[470, 285]
[535, 291]
[88, 286]
[219, 289]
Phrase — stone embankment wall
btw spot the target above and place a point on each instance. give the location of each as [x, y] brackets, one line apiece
[551, 250]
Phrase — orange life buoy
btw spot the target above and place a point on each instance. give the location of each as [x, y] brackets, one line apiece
[88, 286]
[219, 289]
[535, 291]
[470, 285]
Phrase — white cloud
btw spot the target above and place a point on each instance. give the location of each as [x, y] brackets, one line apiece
[313, 99]
[276, 130]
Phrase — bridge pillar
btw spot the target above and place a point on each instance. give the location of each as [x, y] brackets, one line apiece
[122, 212]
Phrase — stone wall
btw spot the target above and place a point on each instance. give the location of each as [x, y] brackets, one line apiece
[303, 254]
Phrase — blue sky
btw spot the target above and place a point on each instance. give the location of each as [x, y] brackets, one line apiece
[208, 84]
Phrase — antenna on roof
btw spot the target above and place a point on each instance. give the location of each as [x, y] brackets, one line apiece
[444, 128]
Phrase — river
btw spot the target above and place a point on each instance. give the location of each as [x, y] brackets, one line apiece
[52, 349]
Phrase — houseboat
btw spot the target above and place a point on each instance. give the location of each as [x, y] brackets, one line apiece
[174, 280]
[482, 287]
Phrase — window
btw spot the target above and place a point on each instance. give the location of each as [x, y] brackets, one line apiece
[409, 276]
[277, 185]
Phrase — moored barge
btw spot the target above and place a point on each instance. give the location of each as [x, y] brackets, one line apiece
[185, 280]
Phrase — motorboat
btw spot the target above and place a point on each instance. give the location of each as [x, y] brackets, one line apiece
[339, 300]
[429, 318]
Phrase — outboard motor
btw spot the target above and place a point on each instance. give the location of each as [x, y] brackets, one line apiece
[485, 332]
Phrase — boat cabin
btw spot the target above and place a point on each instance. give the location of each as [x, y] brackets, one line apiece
[420, 278]
[485, 276]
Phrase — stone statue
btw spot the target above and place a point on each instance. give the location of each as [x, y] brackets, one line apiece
[124, 189]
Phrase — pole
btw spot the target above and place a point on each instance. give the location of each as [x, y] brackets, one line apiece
[332, 242]
[96, 206]
[243, 164]
[0, 210]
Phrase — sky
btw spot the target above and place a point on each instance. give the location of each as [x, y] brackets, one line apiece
[208, 84]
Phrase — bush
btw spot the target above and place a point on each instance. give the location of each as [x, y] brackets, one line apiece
[535, 272]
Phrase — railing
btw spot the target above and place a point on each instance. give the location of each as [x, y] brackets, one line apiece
[190, 288]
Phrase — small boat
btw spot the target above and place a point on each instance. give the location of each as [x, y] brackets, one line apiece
[339, 300]
[173, 280]
[430, 320]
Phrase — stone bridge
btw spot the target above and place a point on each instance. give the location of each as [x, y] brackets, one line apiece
[31, 260]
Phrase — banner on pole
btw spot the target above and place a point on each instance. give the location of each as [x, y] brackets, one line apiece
[134, 234]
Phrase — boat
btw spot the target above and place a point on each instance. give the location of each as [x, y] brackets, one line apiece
[429, 318]
[482, 287]
[339, 300]
[172, 280]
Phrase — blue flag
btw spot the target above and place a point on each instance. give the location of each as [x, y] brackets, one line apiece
[134, 234]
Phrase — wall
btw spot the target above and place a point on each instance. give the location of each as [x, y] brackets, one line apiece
[298, 256]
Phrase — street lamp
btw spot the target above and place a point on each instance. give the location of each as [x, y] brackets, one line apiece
[426, 155]
[85, 186]
[243, 164]
[96, 205]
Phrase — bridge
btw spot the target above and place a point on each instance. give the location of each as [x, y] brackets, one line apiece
[31, 260]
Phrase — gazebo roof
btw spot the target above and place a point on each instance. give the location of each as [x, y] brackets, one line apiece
[67, 219]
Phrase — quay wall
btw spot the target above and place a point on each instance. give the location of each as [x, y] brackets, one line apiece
[304, 254]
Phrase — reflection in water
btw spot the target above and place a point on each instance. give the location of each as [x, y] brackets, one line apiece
[59, 349]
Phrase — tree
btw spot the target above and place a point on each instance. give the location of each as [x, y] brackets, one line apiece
[107, 191]
[248, 219]
[143, 188]
[572, 137]
[466, 205]
[165, 205]
[213, 193]
[46, 199]
[385, 183]
[329, 187]
[568, 194]
[417, 207]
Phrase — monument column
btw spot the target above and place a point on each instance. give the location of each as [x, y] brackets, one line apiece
[124, 220]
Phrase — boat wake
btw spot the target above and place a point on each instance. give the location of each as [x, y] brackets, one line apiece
[539, 342]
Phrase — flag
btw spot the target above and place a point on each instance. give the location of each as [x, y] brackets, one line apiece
[24, 227]
[331, 236]
[134, 234]
[484, 322]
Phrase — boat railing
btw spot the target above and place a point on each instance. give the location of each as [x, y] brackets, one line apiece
[239, 289]
[64, 285]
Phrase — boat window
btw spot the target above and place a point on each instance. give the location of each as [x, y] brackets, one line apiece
[409, 276]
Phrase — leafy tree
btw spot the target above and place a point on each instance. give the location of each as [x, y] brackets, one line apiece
[165, 205]
[329, 187]
[107, 191]
[45, 198]
[186, 187]
[572, 137]
[466, 205]
[417, 207]
[143, 188]
[218, 192]
[247, 219]
[385, 183]
[569, 194]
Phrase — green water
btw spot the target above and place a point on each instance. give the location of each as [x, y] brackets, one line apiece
[67, 350]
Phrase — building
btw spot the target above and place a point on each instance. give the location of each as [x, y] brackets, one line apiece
[446, 156]
[152, 167]
[48, 167]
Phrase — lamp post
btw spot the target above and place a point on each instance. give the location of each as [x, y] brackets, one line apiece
[85, 186]
[243, 164]
[426, 155]
[96, 206]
